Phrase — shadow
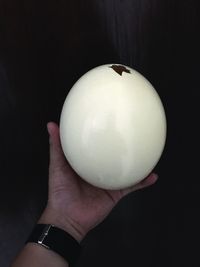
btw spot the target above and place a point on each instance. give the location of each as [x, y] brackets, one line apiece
[45, 47]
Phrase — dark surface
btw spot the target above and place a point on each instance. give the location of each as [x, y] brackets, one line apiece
[44, 48]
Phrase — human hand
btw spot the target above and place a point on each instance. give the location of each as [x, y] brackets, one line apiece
[73, 204]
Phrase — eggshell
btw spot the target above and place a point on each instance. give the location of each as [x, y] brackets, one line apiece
[113, 127]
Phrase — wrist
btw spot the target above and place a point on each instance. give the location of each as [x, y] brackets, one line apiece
[52, 238]
[50, 216]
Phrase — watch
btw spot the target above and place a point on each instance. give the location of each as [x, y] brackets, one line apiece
[57, 240]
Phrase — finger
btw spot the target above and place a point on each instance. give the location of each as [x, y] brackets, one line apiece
[57, 157]
[149, 180]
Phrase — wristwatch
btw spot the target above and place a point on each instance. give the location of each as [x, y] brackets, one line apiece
[57, 240]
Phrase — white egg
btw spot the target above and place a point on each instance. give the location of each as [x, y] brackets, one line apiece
[113, 127]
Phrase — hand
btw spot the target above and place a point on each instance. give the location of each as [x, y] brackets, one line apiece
[73, 204]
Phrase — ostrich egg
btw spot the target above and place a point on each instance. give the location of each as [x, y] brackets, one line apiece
[113, 127]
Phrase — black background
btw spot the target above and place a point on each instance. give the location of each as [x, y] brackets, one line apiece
[45, 46]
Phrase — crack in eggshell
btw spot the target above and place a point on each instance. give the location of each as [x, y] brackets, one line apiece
[120, 69]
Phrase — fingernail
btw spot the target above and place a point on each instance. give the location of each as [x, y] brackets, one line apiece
[151, 179]
[154, 178]
[48, 128]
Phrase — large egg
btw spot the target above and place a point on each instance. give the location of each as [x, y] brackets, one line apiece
[113, 127]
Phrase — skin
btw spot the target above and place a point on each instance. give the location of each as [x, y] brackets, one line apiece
[73, 205]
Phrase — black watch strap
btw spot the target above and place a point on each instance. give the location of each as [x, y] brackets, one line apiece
[57, 240]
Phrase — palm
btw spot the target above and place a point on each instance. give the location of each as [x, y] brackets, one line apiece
[82, 203]
[86, 204]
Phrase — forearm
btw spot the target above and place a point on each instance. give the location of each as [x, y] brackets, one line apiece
[34, 255]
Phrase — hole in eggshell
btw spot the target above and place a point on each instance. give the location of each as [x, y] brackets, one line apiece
[120, 69]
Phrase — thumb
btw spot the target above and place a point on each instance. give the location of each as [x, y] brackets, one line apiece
[149, 180]
[57, 157]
